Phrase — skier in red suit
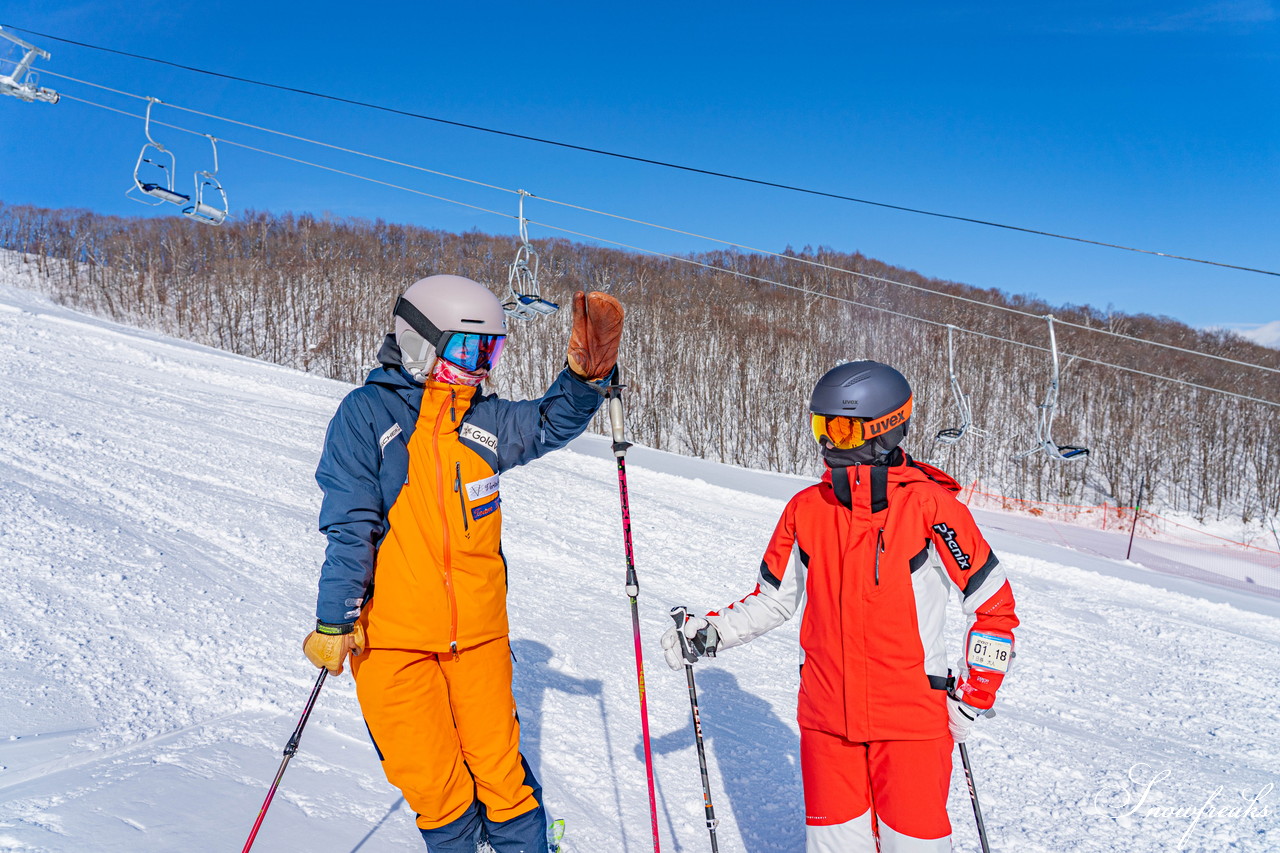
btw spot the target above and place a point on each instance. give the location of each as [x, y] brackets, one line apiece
[872, 553]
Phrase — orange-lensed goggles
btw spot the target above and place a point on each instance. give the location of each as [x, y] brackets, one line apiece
[844, 432]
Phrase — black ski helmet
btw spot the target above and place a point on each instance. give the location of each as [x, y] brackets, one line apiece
[873, 392]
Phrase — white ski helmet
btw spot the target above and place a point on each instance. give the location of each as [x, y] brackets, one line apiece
[436, 307]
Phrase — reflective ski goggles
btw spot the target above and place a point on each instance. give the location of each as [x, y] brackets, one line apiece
[844, 432]
[839, 431]
[471, 351]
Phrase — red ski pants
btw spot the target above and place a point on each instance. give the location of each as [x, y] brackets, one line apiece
[446, 729]
[894, 789]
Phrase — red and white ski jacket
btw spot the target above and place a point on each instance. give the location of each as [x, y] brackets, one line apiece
[872, 552]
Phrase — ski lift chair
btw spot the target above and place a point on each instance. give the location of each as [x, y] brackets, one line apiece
[952, 435]
[526, 300]
[208, 186]
[161, 192]
[21, 83]
[1044, 423]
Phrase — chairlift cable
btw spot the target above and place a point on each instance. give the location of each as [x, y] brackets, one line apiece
[870, 277]
[296, 159]
[286, 135]
[901, 314]
[792, 258]
[654, 162]
[691, 261]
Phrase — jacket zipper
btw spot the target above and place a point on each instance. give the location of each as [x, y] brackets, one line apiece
[457, 487]
[879, 551]
[444, 529]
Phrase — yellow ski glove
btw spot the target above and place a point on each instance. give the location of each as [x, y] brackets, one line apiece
[330, 650]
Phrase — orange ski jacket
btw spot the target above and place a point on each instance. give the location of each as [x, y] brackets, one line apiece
[412, 507]
[872, 553]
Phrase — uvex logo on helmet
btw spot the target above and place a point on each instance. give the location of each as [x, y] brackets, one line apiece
[873, 428]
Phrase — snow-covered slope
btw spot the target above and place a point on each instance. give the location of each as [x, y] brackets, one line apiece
[158, 555]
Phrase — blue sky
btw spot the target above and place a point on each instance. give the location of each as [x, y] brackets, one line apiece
[1154, 125]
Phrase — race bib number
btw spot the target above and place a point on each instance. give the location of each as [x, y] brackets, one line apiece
[987, 651]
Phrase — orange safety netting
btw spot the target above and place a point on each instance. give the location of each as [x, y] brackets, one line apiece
[1107, 516]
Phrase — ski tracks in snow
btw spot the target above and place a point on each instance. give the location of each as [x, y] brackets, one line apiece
[160, 557]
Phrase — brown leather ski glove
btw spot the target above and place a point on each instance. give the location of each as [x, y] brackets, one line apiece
[597, 329]
[330, 650]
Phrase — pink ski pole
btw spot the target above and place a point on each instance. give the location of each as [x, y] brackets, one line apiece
[620, 445]
[289, 749]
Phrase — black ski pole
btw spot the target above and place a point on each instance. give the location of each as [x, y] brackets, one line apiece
[680, 614]
[620, 445]
[973, 795]
[289, 749]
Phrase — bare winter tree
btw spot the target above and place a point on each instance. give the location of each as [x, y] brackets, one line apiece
[718, 364]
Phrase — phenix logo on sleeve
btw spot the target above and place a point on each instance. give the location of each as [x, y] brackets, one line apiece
[957, 553]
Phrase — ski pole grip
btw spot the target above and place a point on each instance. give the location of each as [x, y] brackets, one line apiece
[680, 615]
[615, 417]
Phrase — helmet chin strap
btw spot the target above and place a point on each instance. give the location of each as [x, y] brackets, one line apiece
[419, 370]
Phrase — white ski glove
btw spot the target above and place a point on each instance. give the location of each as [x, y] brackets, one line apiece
[691, 638]
[960, 718]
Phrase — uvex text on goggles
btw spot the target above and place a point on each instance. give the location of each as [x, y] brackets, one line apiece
[468, 350]
[845, 432]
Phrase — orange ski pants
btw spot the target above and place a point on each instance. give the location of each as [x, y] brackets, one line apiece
[904, 783]
[446, 729]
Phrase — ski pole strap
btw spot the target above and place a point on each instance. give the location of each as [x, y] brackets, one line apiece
[702, 644]
[601, 386]
[680, 615]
